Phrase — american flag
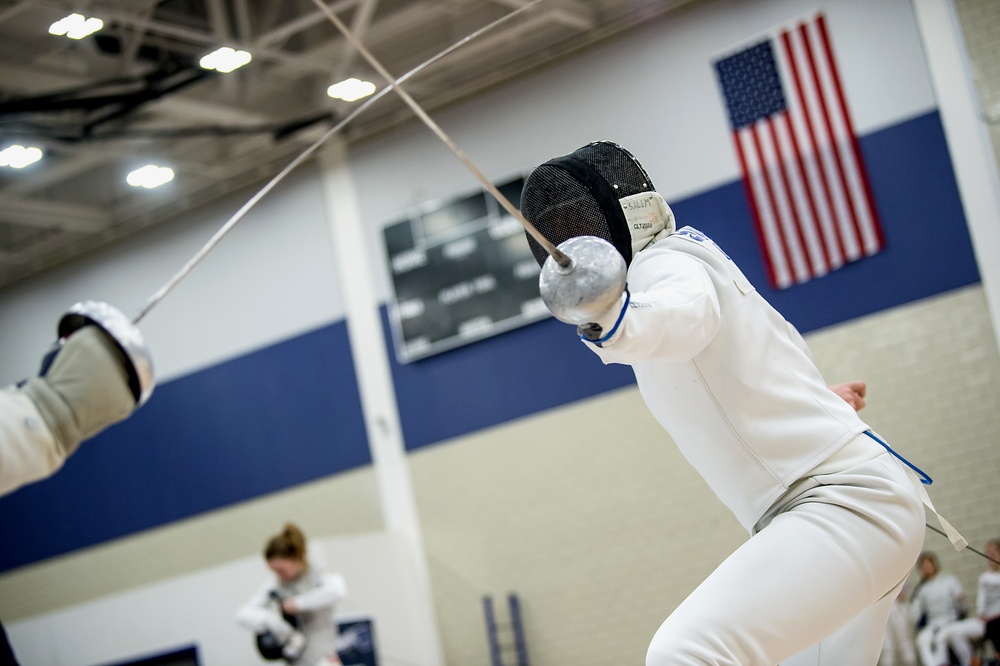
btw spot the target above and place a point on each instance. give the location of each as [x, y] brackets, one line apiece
[802, 169]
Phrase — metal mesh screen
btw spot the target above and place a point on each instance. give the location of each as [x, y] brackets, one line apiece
[622, 171]
[562, 207]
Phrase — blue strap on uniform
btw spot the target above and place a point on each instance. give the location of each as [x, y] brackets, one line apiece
[621, 315]
[924, 479]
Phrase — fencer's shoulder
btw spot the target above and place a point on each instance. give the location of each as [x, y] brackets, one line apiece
[691, 235]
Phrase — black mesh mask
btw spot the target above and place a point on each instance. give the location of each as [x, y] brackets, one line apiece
[578, 195]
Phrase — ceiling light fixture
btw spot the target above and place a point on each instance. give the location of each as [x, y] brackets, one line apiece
[76, 26]
[351, 89]
[150, 176]
[18, 157]
[225, 60]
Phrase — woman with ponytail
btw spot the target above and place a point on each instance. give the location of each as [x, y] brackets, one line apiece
[292, 613]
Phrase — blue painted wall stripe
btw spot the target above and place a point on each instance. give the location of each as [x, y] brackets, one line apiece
[258, 424]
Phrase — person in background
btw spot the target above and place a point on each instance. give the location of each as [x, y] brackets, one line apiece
[958, 636]
[898, 649]
[297, 605]
[938, 602]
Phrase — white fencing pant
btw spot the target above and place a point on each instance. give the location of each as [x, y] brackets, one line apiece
[931, 645]
[959, 636]
[823, 573]
[898, 648]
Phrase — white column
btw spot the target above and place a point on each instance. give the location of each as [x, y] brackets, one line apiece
[378, 396]
[968, 141]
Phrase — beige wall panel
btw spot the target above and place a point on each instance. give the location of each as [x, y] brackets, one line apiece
[339, 505]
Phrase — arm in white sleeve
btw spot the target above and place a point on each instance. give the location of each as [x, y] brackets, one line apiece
[256, 614]
[916, 608]
[981, 593]
[673, 314]
[796, 337]
[84, 390]
[332, 589]
[28, 449]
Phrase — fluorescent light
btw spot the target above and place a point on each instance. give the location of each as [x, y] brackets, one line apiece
[76, 26]
[18, 157]
[150, 176]
[351, 89]
[225, 60]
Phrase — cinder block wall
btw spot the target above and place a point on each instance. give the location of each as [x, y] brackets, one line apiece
[592, 517]
[980, 21]
[345, 504]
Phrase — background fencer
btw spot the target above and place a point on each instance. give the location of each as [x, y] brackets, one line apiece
[292, 612]
[835, 519]
[97, 374]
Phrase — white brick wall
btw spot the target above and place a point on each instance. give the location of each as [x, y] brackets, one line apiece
[980, 21]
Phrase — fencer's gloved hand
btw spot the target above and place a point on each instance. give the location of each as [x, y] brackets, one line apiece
[83, 387]
[607, 328]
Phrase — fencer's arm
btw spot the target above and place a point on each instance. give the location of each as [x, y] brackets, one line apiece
[332, 590]
[797, 339]
[672, 315]
[251, 613]
[28, 451]
[82, 391]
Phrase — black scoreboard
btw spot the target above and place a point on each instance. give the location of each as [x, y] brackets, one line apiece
[461, 271]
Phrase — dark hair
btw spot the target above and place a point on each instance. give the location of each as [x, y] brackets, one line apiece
[928, 555]
[290, 544]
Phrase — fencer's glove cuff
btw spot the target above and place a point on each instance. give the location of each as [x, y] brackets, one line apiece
[608, 326]
[83, 388]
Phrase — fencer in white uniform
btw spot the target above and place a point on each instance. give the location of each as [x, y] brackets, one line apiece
[835, 519]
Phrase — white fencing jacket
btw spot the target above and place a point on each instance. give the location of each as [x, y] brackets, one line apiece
[725, 374]
[28, 450]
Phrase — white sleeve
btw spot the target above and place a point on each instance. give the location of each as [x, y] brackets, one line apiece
[331, 590]
[28, 450]
[796, 337]
[673, 316]
[250, 615]
[981, 593]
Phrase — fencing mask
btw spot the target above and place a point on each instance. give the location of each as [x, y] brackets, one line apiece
[598, 190]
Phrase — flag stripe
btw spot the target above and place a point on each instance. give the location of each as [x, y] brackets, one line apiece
[809, 106]
[817, 187]
[851, 227]
[868, 200]
[854, 220]
[754, 205]
[786, 211]
[806, 217]
[772, 221]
